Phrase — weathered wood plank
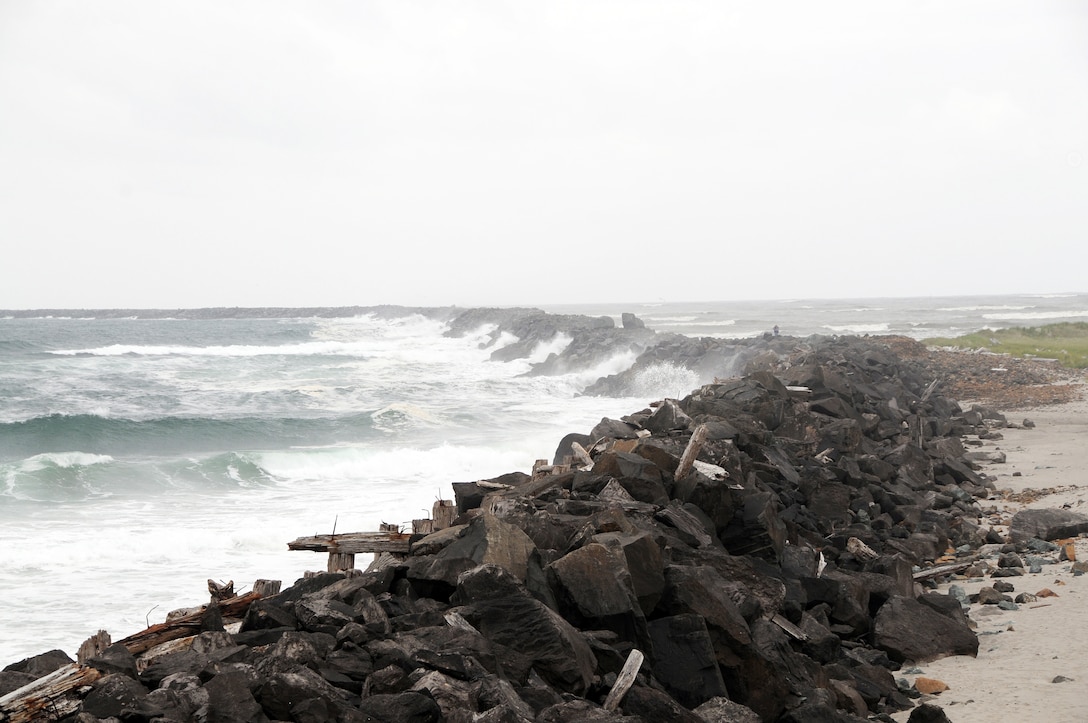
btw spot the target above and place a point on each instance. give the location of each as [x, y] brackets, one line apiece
[687, 460]
[582, 455]
[340, 561]
[185, 625]
[45, 698]
[444, 512]
[267, 588]
[942, 570]
[354, 543]
[624, 680]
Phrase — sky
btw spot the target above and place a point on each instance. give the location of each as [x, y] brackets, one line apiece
[192, 154]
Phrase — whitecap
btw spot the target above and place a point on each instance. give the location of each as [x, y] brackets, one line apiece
[1036, 315]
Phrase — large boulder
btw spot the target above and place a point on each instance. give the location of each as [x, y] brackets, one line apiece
[1047, 524]
[910, 631]
[684, 659]
[594, 589]
[507, 615]
[486, 541]
[645, 564]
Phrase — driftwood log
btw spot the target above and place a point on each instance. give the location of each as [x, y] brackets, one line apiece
[185, 625]
[46, 698]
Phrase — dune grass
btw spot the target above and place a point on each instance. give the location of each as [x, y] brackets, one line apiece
[1066, 342]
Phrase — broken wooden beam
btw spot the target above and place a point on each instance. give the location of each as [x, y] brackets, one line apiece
[444, 512]
[185, 625]
[624, 680]
[267, 588]
[46, 698]
[942, 570]
[695, 445]
[354, 543]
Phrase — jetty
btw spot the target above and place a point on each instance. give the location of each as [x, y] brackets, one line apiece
[767, 548]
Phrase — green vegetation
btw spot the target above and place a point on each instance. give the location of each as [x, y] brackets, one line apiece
[1067, 342]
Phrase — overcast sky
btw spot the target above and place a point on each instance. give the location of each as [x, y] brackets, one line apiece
[180, 154]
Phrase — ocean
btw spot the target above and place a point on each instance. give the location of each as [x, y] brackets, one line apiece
[141, 457]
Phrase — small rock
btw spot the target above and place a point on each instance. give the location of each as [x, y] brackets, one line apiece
[1025, 597]
[1061, 679]
[989, 596]
[1002, 586]
[1046, 592]
[1008, 572]
[929, 686]
[1028, 424]
[1010, 559]
[1079, 568]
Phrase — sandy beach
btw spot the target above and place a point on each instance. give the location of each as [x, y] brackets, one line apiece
[1032, 663]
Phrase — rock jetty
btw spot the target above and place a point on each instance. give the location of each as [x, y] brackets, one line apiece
[765, 548]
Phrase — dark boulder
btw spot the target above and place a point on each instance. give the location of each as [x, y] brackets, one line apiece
[231, 699]
[910, 631]
[488, 540]
[118, 695]
[43, 664]
[684, 659]
[651, 704]
[1046, 524]
[406, 707]
[504, 613]
[594, 589]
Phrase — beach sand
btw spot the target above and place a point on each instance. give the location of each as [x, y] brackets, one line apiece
[1032, 663]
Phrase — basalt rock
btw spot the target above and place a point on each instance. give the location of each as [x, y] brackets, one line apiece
[1046, 524]
[910, 631]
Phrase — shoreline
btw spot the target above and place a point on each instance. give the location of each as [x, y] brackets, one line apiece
[1030, 663]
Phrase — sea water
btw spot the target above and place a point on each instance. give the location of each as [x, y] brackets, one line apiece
[140, 458]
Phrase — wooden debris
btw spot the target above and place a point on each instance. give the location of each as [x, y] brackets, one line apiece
[45, 698]
[687, 460]
[185, 625]
[941, 570]
[625, 679]
[267, 588]
[221, 590]
[860, 550]
[444, 512]
[581, 454]
[456, 620]
[93, 646]
[354, 543]
[790, 629]
[340, 561]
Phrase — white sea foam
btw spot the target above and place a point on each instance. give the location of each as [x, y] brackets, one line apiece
[985, 307]
[544, 349]
[719, 322]
[1038, 315]
[63, 460]
[858, 328]
[678, 319]
[665, 380]
[313, 348]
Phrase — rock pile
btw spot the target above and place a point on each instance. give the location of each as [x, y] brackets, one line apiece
[765, 543]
